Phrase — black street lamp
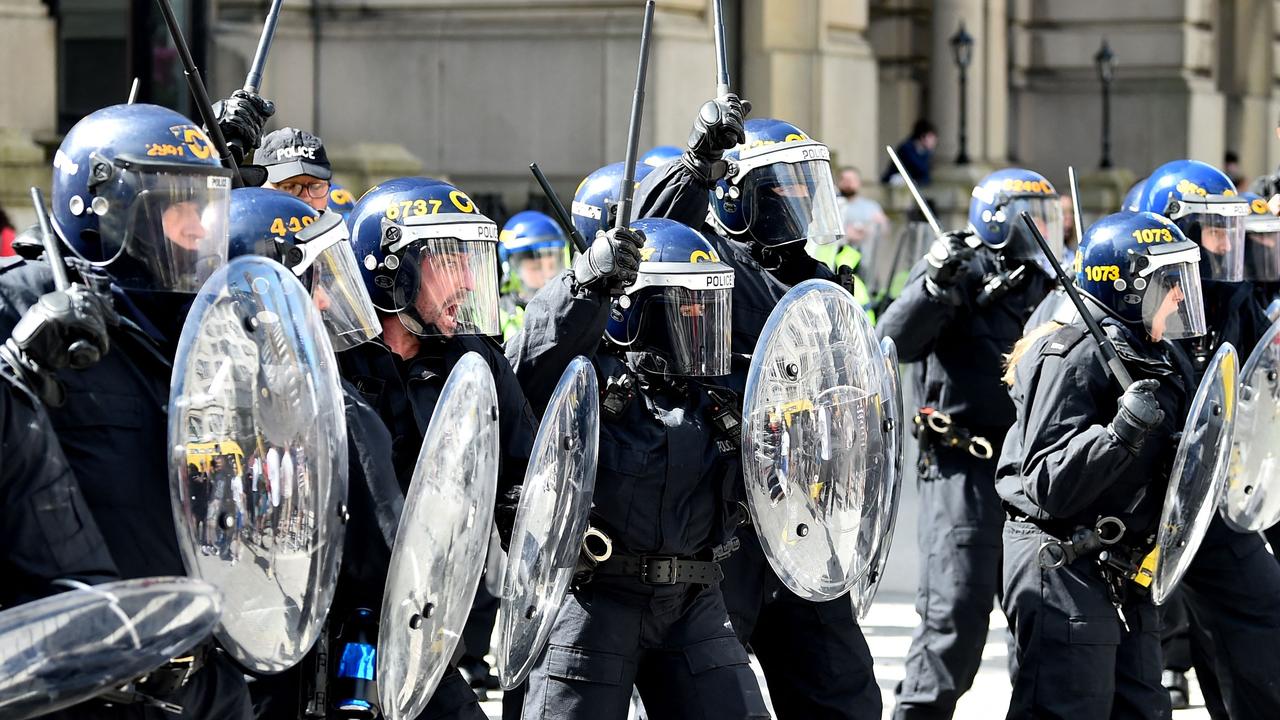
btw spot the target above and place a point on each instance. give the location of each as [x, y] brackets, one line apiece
[962, 52]
[1105, 61]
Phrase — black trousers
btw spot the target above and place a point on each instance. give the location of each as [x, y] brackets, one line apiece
[672, 643]
[1073, 657]
[959, 538]
[815, 659]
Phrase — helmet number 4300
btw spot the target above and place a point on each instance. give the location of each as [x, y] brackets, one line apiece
[293, 224]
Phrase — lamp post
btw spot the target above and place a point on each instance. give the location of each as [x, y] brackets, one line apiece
[962, 53]
[1105, 61]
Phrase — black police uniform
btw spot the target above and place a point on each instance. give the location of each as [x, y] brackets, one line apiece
[1231, 585]
[112, 430]
[652, 616]
[404, 394]
[45, 527]
[962, 348]
[815, 659]
[1085, 645]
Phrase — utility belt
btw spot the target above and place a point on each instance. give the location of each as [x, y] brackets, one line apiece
[156, 687]
[1126, 567]
[598, 558]
[934, 428]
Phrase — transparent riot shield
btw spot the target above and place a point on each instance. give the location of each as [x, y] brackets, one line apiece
[881, 520]
[441, 541]
[1199, 472]
[70, 647]
[1251, 502]
[817, 458]
[555, 507]
[258, 460]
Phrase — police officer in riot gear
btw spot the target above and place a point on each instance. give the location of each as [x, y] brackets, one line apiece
[761, 190]
[316, 247]
[648, 613]
[139, 196]
[1083, 470]
[1241, 627]
[429, 262]
[532, 249]
[962, 309]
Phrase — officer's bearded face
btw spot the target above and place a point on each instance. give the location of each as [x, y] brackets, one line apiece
[1215, 240]
[444, 285]
[182, 225]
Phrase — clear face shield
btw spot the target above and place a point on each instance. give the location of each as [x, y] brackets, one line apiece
[336, 286]
[689, 322]
[447, 279]
[533, 267]
[789, 195]
[162, 226]
[1262, 248]
[1046, 211]
[1217, 224]
[1172, 300]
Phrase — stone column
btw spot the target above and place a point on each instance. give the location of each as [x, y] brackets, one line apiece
[28, 74]
[1246, 41]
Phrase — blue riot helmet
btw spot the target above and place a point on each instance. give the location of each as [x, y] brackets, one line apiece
[1130, 201]
[1203, 202]
[341, 200]
[139, 191]
[660, 155]
[428, 256]
[999, 200]
[317, 248]
[778, 188]
[595, 204]
[1144, 271]
[1261, 241]
[531, 248]
[678, 313]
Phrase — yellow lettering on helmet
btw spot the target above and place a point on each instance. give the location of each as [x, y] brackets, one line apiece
[1259, 206]
[699, 256]
[461, 201]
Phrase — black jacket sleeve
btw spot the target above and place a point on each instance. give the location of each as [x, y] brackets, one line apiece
[916, 319]
[673, 192]
[1069, 456]
[46, 530]
[560, 323]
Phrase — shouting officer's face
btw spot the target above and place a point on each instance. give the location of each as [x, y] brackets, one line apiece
[446, 281]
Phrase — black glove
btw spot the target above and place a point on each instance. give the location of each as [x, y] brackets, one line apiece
[945, 263]
[610, 264]
[718, 127]
[504, 515]
[1139, 413]
[241, 118]
[64, 329]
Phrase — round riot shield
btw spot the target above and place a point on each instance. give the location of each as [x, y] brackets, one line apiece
[1251, 502]
[555, 507]
[441, 541]
[67, 648]
[881, 520]
[258, 459]
[816, 450]
[1199, 472]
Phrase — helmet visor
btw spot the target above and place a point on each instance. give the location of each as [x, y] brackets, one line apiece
[1216, 223]
[446, 286]
[792, 202]
[1046, 212]
[696, 338]
[534, 267]
[162, 226]
[1173, 304]
[339, 291]
[1262, 248]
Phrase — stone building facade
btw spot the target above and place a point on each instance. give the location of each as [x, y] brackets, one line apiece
[476, 89]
